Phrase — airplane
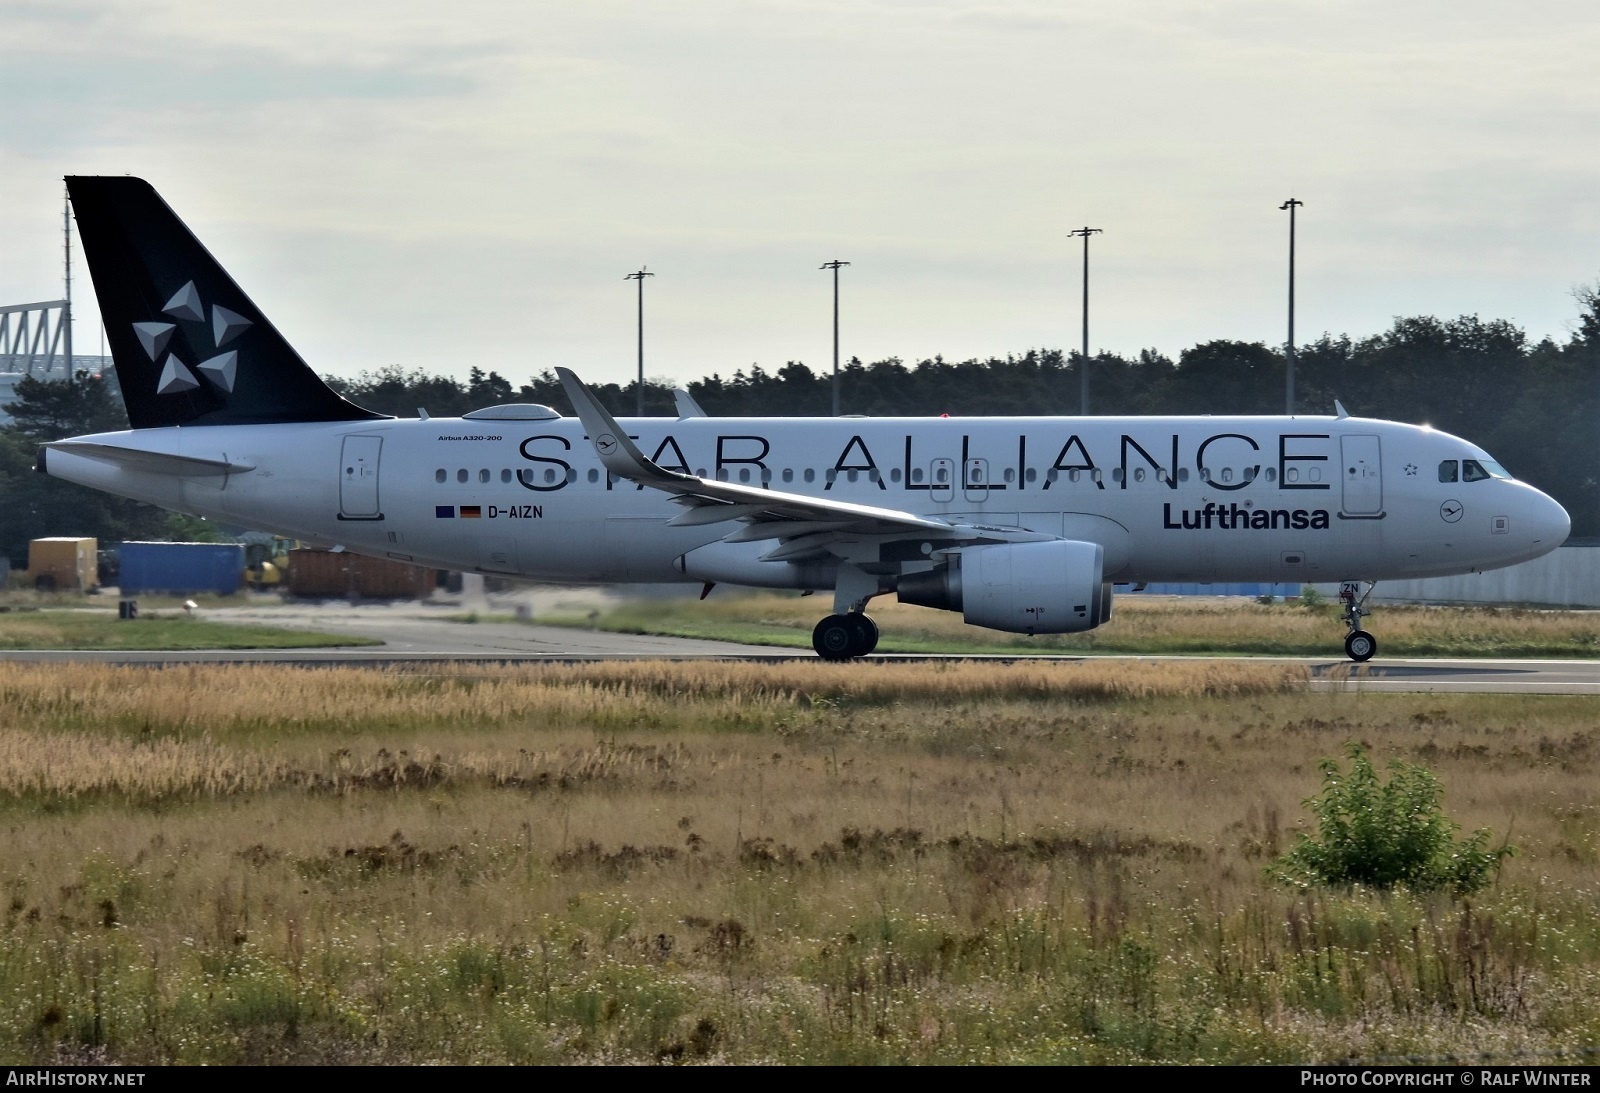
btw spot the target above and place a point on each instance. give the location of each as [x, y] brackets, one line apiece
[1022, 524]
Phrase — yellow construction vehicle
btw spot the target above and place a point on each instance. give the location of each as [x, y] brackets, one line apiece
[266, 560]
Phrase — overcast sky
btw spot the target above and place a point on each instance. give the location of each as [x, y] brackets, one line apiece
[441, 185]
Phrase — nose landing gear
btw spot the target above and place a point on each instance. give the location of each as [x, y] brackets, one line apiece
[1359, 645]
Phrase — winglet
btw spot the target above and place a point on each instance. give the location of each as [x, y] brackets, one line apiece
[1339, 410]
[617, 453]
[687, 406]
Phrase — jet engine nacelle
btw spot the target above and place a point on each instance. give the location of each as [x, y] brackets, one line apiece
[1021, 588]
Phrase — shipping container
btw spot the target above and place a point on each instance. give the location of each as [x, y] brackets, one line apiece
[64, 562]
[327, 574]
[180, 568]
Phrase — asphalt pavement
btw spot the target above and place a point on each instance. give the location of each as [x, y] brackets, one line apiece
[437, 631]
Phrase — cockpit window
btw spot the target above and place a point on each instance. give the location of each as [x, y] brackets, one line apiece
[1476, 470]
[1447, 471]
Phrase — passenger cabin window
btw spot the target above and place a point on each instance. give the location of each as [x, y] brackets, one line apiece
[461, 475]
[439, 475]
[483, 475]
[1447, 471]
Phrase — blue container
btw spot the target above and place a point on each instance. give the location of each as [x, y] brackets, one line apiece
[181, 568]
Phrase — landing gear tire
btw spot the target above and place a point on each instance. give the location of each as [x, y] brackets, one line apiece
[834, 638]
[844, 637]
[1360, 646]
[866, 635]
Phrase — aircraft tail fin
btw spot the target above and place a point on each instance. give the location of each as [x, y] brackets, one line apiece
[190, 347]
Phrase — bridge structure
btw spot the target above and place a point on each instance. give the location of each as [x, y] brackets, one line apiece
[36, 341]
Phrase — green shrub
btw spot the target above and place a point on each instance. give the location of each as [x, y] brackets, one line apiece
[1384, 834]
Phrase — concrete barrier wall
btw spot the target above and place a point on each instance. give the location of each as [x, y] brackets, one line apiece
[1567, 577]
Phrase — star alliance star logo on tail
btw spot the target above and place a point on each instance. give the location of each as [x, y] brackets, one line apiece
[219, 370]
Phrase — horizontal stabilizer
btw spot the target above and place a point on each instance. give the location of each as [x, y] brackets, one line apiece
[137, 459]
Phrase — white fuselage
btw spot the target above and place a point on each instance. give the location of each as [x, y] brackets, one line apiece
[1170, 499]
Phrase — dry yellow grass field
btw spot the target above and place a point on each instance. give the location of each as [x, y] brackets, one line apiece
[798, 862]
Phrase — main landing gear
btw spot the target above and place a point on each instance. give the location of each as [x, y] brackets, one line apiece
[1359, 645]
[848, 633]
[844, 637]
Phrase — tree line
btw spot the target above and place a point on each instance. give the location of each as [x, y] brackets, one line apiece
[1534, 406]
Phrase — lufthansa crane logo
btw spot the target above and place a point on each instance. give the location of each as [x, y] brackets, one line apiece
[1450, 511]
[605, 443]
[177, 376]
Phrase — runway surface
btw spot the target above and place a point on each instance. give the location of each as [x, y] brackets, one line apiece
[414, 635]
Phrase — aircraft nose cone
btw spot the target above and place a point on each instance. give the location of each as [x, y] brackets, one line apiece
[1544, 522]
[1550, 522]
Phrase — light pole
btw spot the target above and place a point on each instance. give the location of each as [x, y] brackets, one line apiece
[1288, 392]
[835, 265]
[1083, 377]
[640, 276]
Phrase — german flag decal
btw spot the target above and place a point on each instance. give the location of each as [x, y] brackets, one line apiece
[471, 512]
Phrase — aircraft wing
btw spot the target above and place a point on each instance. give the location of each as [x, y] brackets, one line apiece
[807, 523]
